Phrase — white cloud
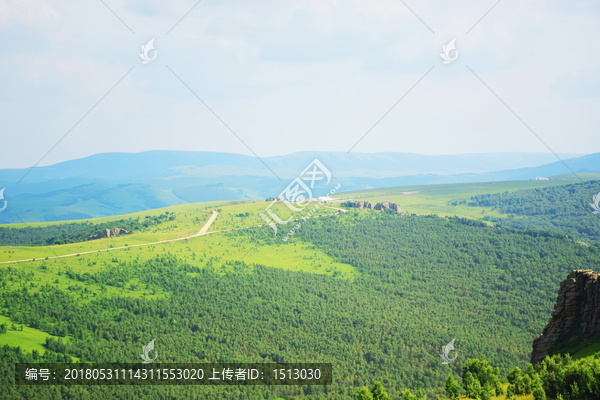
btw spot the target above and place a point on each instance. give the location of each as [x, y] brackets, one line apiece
[296, 75]
[30, 13]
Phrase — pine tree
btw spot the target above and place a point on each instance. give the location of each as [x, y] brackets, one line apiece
[364, 394]
[379, 392]
[452, 387]
[537, 389]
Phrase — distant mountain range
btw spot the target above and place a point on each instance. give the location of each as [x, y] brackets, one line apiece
[118, 183]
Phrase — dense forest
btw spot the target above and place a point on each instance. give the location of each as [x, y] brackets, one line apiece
[556, 377]
[74, 232]
[564, 208]
[422, 282]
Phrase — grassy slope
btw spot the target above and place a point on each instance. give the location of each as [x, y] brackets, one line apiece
[28, 339]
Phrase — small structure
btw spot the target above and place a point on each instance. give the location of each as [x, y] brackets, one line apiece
[325, 199]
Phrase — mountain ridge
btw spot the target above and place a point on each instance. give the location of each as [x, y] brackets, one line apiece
[174, 177]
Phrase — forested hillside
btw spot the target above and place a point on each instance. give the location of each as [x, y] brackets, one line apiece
[564, 208]
[73, 232]
[422, 282]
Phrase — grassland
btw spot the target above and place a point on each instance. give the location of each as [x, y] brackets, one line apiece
[234, 216]
[28, 339]
[436, 199]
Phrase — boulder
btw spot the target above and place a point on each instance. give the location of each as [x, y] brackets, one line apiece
[109, 233]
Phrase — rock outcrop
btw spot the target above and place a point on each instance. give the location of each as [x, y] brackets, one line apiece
[360, 204]
[386, 205]
[576, 316]
[109, 233]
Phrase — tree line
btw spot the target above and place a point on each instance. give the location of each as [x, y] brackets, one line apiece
[565, 208]
[74, 232]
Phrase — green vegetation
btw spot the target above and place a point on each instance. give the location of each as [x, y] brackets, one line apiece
[563, 208]
[572, 380]
[19, 335]
[438, 199]
[377, 392]
[480, 380]
[452, 387]
[74, 232]
[556, 377]
[249, 214]
[419, 282]
[376, 294]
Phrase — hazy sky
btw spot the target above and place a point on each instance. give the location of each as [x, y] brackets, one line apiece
[297, 75]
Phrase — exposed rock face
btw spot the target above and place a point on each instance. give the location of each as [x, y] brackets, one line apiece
[576, 314]
[109, 233]
[382, 206]
[386, 205]
[360, 204]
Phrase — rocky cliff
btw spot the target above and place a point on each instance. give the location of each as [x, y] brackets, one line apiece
[576, 317]
[109, 233]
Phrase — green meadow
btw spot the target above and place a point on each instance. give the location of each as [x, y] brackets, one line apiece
[28, 339]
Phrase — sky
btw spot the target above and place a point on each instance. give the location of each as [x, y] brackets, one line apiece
[277, 77]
